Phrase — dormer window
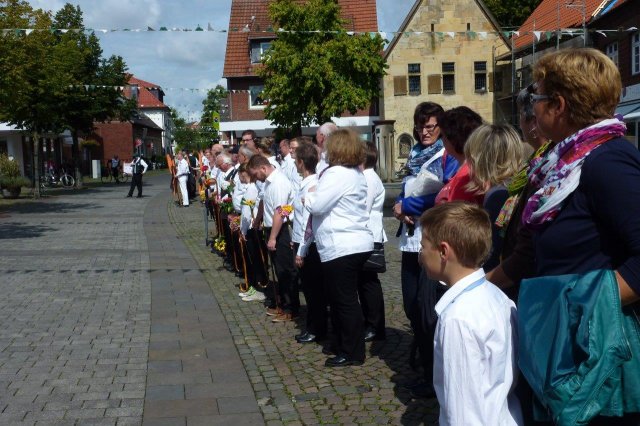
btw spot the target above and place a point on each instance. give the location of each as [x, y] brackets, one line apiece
[258, 50]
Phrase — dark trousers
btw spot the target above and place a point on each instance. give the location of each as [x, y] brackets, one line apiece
[114, 173]
[136, 181]
[341, 281]
[282, 261]
[255, 258]
[372, 301]
[410, 277]
[228, 248]
[314, 291]
[429, 293]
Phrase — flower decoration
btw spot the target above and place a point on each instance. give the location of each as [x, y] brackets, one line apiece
[219, 244]
[250, 203]
[285, 211]
[204, 168]
[234, 222]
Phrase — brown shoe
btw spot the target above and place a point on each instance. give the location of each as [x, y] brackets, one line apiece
[274, 312]
[285, 317]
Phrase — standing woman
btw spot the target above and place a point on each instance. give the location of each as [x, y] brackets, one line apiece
[344, 241]
[369, 286]
[585, 220]
[494, 156]
[182, 173]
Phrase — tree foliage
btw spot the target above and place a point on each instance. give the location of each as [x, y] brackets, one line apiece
[512, 13]
[40, 72]
[312, 76]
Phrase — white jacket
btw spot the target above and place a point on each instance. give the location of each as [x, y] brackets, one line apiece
[340, 219]
[375, 203]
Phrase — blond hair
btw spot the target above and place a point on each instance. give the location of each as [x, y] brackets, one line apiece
[344, 148]
[465, 227]
[494, 154]
[586, 78]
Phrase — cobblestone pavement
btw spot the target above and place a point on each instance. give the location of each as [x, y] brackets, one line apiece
[290, 381]
[112, 316]
[74, 309]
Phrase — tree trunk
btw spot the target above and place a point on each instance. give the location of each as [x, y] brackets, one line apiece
[36, 167]
[77, 158]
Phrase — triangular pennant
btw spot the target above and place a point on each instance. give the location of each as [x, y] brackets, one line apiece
[471, 35]
[350, 33]
[150, 29]
[209, 27]
[632, 29]
[163, 29]
[537, 34]
[86, 87]
[198, 28]
[28, 31]
[516, 33]
[506, 34]
[548, 34]
[482, 35]
[601, 33]
[451, 34]
[417, 32]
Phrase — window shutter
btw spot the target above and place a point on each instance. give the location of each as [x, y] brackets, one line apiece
[490, 82]
[400, 85]
[435, 84]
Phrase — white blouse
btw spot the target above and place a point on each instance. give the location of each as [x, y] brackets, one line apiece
[340, 219]
[375, 203]
[301, 215]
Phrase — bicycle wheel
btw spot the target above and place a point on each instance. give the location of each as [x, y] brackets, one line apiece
[124, 178]
[67, 181]
[105, 178]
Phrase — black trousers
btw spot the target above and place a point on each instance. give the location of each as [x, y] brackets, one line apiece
[410, 278]
[429, 293]
[114, 173]
[255, 258]
[136, 181]
[314, 291]
[226, 231]
[282, 261]
[341, 280]
[372, 301]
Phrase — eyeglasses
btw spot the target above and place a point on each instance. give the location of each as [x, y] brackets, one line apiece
[533, 96]
[428, 127]
[247, 140]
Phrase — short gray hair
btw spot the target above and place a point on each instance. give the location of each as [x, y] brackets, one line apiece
[327, 128]
[246, 151]
[525, 104]
[225, 159]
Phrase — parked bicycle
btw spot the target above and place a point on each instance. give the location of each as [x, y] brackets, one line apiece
[108, 176]
[51, 180]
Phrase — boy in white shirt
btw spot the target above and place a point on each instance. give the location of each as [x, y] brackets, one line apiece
[475, 360]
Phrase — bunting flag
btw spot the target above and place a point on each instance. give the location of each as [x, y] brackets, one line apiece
[452, 34]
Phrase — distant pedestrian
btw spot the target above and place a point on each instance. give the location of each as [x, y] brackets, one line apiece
[115, 167]
[182, 173]
[138, 168]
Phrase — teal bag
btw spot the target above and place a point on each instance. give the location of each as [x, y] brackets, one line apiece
[579, 350]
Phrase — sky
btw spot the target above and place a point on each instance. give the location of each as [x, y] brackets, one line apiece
[179, 60]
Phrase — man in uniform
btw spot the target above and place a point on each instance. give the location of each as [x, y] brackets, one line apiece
[138, 168]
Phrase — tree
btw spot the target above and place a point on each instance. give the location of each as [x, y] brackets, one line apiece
[311, 76]
[83, 55]
[32, 80]
[211, 106]
[511, 13]
[185, 136]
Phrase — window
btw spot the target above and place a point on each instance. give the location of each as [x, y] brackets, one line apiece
[256, 97]
[3, 147]
[480, 76]
[612, 52]
[258, 50]
[635, 53]
[414, 79]
[448, 77]
[405, 142]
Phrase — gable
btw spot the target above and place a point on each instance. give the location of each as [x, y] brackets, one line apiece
[249, 21]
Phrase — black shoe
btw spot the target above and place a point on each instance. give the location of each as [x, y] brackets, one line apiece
[422, 391]
[139, 196]
[369, 335]
[341, 361]
[129, 196]
[307, 337]
[328, 351]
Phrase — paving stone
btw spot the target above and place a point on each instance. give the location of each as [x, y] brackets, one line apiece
[163, 393]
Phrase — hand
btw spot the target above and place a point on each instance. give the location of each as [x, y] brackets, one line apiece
[271, 244]
[299, 261]
[243, 237]
[408, 220]
[397, 210]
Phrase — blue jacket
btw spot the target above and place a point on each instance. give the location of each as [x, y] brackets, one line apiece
[579, 349]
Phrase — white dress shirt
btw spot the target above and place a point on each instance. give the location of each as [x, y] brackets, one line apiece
[322, 163]
[475, 357]
[277, 193]
[274, 162]
[183, 168]
[247, 214]
[340, 218]
[291, 172]
[375, 203]
[301, 215]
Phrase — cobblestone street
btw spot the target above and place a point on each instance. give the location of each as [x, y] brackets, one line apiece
[116, 313]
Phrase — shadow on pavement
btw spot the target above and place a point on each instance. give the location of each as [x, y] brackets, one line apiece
[49, 206]
[394, 351]
[13, 230]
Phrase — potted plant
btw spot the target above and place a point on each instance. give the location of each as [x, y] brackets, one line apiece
[11, 182]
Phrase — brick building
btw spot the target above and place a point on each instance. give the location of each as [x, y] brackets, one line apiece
[246, 42]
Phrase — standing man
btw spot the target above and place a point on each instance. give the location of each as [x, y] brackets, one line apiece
[289, 164]
[182, 173]
[322, 134]
[277, 194]
[138, 168]
[115, 166]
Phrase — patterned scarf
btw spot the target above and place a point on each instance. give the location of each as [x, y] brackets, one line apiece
[418, 158]
[558, 174]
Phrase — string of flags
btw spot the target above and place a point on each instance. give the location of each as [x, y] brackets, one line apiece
[441, 34]
[88, 87]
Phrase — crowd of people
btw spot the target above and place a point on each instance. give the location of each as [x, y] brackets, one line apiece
[520, 268]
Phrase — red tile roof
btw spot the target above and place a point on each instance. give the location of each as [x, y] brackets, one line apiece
[253, 15]
[551, 15]
[146, 99]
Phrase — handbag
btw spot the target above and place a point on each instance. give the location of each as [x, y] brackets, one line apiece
[376, 261]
